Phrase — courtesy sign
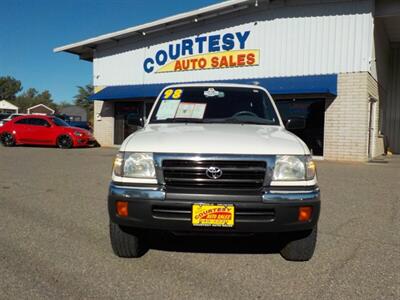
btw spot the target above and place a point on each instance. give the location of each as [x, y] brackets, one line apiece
[203, 53]
[218, 60]
[213, 215]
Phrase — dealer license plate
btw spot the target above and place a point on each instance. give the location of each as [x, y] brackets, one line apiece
[213, 215]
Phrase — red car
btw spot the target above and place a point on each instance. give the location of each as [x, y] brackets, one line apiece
[44, 130]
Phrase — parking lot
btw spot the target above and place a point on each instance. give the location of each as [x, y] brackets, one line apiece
[54, 239]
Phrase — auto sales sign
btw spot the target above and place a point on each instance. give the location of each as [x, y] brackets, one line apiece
[215, 51]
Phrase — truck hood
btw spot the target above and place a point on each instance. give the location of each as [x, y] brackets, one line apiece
[214, 139]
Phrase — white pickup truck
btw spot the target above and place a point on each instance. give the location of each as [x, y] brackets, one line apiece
[214, 159]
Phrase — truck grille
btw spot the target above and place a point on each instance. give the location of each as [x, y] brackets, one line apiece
[235, 174]
[184, 213]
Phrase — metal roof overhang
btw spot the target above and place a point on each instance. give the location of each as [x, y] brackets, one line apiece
[85, 48]
[319, 84]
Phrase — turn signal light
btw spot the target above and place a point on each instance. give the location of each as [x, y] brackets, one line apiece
[122, 208]
[305, 213]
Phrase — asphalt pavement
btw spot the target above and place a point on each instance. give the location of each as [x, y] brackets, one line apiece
[54, 240]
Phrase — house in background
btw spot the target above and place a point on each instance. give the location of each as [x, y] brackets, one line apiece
[40, 109]
[75, 113]
[8, 108]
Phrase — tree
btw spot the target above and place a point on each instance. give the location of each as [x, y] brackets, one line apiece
[63, 104]
[32, 97]
[9, 87]
[82, 99]
[26, 99]
[45, 98]
[30, 93]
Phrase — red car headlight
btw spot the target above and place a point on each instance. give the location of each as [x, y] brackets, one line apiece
[78, 133]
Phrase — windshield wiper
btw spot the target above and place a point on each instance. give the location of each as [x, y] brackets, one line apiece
[219, 121]
[183, 120]
[257, 122]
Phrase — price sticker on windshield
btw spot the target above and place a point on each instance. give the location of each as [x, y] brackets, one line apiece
[172, 94]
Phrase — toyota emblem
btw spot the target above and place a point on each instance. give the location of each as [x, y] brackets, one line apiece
[214, 172]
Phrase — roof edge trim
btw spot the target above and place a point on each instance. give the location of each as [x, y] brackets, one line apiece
[142, 28]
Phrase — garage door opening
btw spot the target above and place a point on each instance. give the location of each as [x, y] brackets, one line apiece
[123, 112]
[313, 111]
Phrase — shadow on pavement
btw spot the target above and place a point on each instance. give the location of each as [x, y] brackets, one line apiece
[55, 147]
[255, 244]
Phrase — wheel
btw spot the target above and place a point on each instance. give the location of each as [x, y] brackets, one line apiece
[127, 242]
[7, 139]
[301, 246]
[64, 142]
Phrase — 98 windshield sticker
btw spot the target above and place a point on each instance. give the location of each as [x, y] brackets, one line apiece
[172, 94]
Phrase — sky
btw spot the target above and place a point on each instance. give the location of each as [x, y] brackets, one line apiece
[31, 29]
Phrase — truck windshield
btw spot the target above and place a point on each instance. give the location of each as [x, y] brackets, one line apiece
[215, 105]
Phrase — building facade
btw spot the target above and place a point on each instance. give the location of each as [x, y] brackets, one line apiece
[74, 113]
[335, 63]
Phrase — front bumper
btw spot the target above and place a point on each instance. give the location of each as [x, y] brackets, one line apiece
[85, 141]
[152, 208]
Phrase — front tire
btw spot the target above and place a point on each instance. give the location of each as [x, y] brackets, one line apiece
[126, 242]
[7, 139]
[301, 246]
[64, 142]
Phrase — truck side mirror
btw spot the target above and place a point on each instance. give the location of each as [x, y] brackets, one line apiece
[135, 120]
[295, 124]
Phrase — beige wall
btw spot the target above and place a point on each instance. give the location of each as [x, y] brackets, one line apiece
[347, 119]
[104, 122]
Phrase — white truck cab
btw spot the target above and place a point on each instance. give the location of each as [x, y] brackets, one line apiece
[214, 159]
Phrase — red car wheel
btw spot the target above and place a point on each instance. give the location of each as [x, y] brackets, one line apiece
[64, 142]
[7, 139]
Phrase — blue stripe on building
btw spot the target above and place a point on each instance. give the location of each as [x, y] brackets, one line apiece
[319, 84]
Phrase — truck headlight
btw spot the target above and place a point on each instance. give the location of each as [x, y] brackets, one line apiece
[293, 168]
[134, 165]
